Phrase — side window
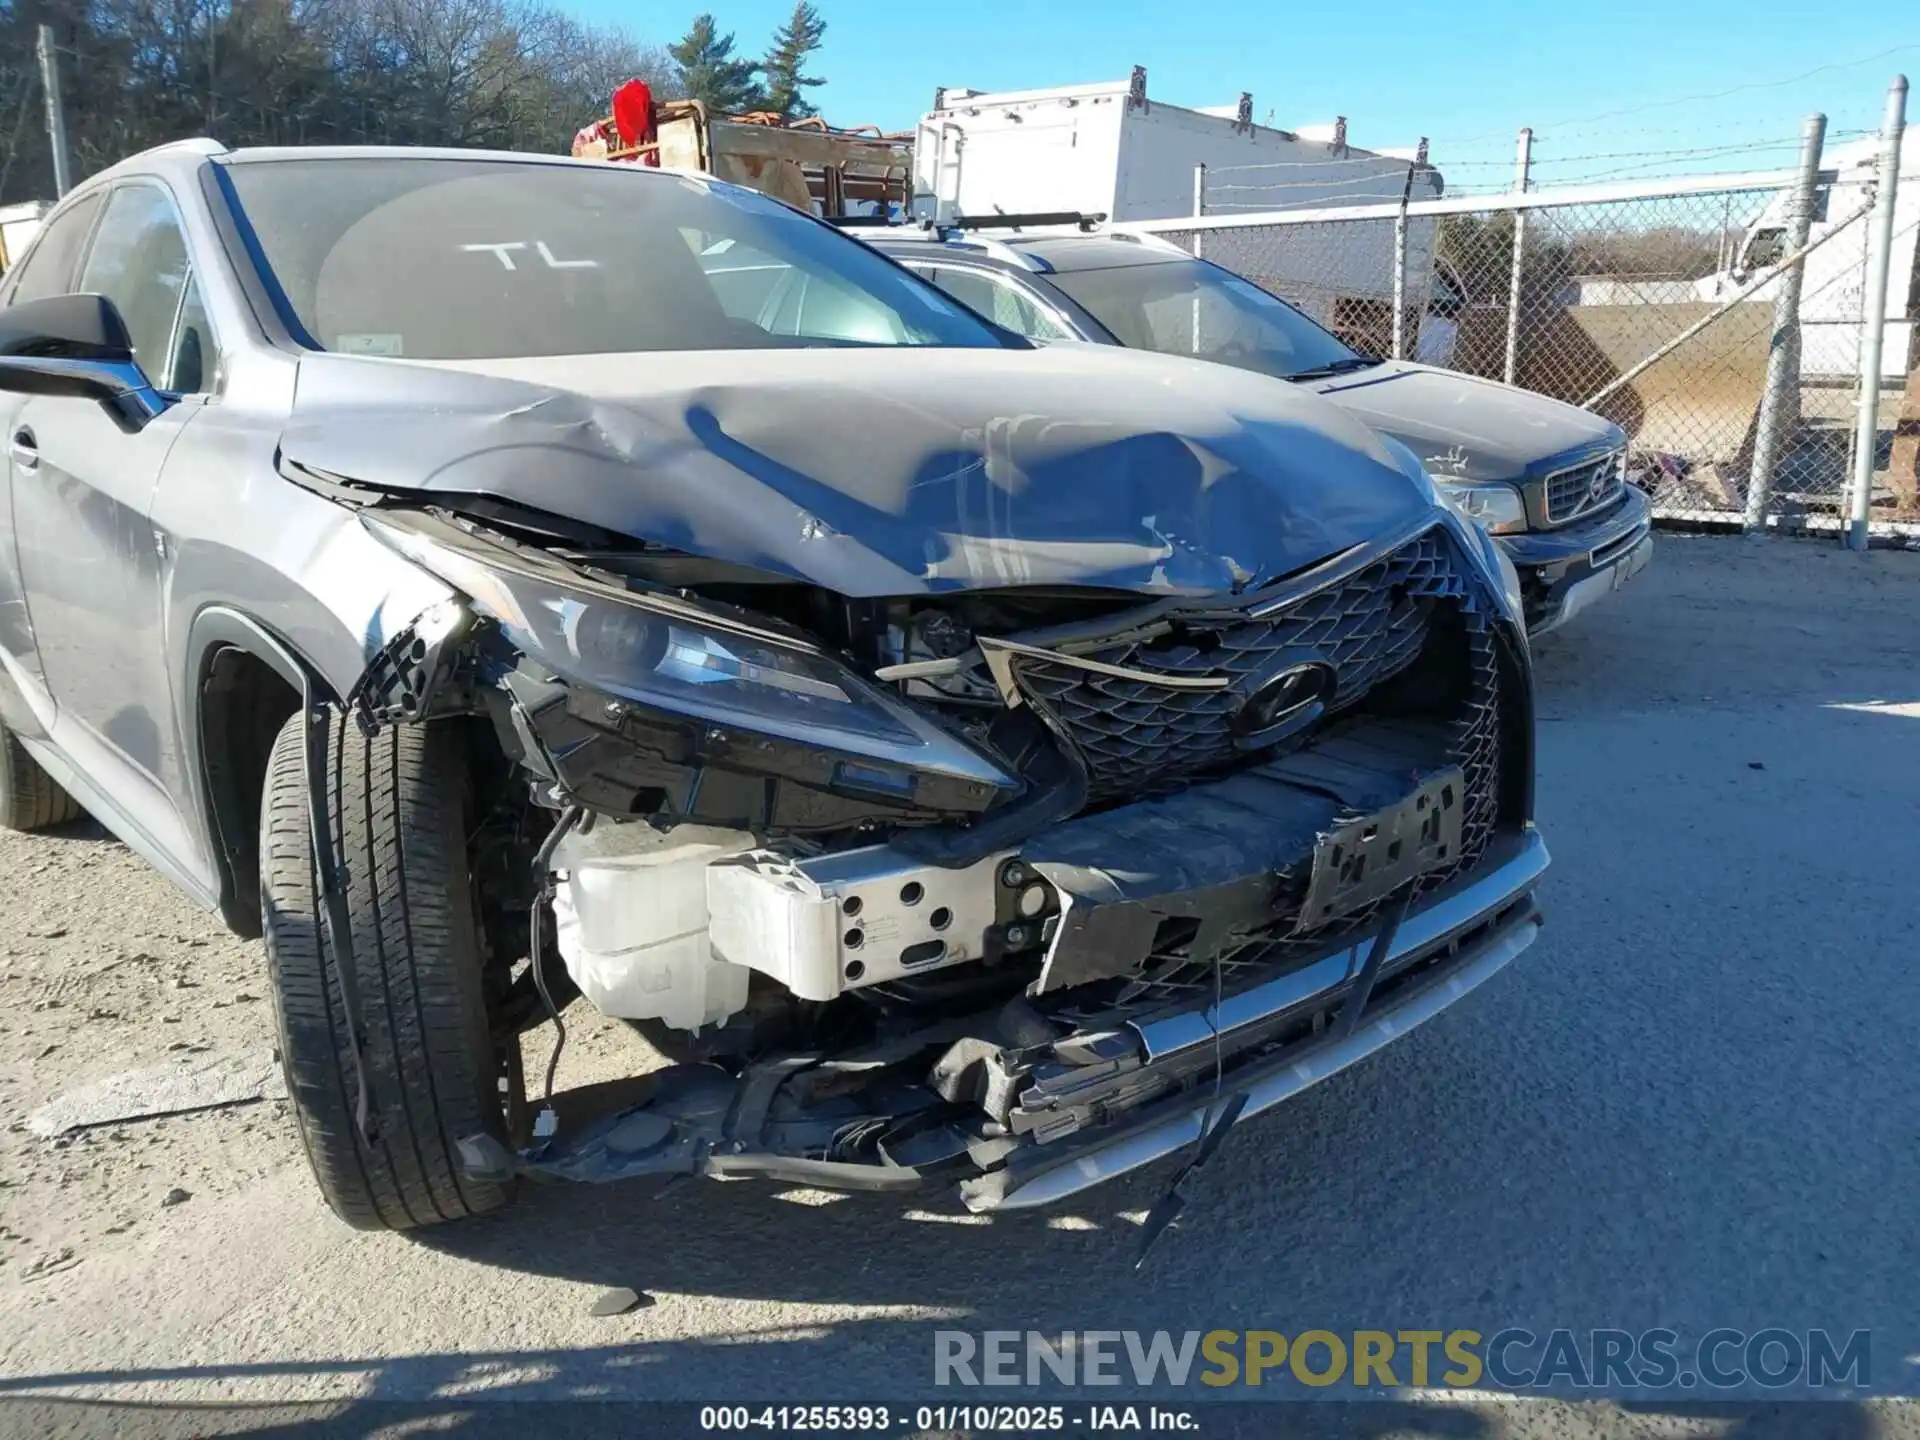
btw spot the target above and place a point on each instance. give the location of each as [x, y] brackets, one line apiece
[1766, 248]
[784, 300]
[48, 268]
[190, 367]
[744, 281]
[139, 261]
[997, 298]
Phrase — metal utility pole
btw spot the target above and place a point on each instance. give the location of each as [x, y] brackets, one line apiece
[1522, 177]
[56, 113]
[1780, 400]
[1873, 320]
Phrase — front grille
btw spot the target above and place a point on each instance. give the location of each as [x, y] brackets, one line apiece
[1135, 734]
[1175, 981]
[1376, 623]
[1574, 491]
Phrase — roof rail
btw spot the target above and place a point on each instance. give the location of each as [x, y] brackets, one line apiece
[1151, 241]
[198, 144]
[1019, 222]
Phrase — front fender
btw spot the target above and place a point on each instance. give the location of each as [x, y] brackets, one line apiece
[317, 625]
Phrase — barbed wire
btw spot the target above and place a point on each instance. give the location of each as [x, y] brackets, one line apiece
[1393, 180]
[1371, 158]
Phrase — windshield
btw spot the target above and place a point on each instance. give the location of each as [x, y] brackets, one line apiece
[451, 259]
[1188, 307]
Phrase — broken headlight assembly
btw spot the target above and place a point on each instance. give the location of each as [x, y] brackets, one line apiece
[1497, 507]
[667, 654]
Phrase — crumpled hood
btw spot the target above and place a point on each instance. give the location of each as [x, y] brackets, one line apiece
[1465, 426]
[882, 472]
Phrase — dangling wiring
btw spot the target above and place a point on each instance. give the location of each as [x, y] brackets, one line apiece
[536, 943]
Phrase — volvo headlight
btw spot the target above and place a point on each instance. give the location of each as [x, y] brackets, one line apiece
[1497, 507]
[668, 655]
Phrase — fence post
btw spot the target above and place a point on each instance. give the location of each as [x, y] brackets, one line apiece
[1873, 320]
[1400, 281]
[1780, 399]
[1522, 176]
[1199, 203]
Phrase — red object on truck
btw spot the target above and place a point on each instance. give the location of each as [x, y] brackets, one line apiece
[633, 119]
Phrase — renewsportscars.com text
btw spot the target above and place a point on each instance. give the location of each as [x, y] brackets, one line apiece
[1510, 1359]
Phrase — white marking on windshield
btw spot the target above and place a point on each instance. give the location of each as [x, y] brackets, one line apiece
[553, 264]
[501, 252]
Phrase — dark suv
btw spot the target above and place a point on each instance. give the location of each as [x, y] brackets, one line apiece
[1546, 478]
[500, 579]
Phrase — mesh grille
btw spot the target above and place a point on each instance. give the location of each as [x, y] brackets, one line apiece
[1473, 743]
[1135, 735]
[1579, 488]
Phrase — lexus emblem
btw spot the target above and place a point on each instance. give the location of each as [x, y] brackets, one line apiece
[1294, 696]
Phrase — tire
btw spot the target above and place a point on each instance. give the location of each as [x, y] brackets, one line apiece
[29, 798]
[399, 803]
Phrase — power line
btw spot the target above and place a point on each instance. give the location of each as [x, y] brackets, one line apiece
[1710, 95]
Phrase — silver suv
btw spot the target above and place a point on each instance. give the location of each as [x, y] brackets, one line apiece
[969, 762]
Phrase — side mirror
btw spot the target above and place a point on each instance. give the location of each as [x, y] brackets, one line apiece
[76, 345]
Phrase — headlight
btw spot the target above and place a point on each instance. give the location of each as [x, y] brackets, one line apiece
[668, 655]
[1498, 507]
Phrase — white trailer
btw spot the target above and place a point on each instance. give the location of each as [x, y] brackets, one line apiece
[1832, 292]
[1110, 150]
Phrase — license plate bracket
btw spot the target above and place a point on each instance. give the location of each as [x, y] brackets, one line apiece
[1367, 858]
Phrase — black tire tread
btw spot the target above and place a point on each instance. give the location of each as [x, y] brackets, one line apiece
[398, 808]
[30, 799]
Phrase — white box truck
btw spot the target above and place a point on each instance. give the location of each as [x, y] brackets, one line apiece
[18, 225]
[1110, 150]
[1832, 292]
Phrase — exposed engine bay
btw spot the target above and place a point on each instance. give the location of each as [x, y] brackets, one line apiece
[953, 885]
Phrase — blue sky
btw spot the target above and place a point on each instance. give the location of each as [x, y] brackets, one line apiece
[1468, 75]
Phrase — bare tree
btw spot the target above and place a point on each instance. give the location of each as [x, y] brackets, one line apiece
[509, 74]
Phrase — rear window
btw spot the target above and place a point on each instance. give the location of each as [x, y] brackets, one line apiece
[1188, 307]
[452, 259]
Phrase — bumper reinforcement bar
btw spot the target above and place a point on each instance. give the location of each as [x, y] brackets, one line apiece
[1497, 899]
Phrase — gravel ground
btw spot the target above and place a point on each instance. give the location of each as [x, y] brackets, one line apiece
[1691, 1104]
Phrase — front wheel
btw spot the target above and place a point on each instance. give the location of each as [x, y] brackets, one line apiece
[399, 803]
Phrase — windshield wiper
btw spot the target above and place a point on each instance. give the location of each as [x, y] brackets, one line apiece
[1338, 367]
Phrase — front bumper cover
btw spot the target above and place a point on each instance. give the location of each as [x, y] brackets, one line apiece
[1564, 571]
[1271, 1044]
[1461, 937]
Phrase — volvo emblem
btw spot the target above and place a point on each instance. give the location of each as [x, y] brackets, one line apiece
[1284, 702]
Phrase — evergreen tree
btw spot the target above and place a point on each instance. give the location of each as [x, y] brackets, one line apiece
[710, 73]
[787, 80]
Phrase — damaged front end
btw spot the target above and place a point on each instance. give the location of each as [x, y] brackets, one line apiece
[1002, 888]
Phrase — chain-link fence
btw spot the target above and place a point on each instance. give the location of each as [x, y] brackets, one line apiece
[1652, 303]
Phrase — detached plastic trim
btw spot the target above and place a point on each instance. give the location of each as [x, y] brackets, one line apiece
[1089, 1168]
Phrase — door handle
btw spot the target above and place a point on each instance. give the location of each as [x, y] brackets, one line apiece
[24, 449]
